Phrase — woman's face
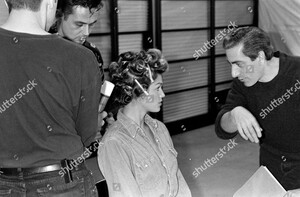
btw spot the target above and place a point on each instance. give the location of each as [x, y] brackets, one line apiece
[153, 101]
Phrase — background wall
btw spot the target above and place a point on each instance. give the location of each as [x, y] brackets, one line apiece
[3, 12]
[281, 20]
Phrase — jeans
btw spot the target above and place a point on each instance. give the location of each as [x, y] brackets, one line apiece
[284, 166]
[48, 184]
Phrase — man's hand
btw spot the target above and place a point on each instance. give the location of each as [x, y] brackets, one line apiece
[110, 119]
[246, 124]
[293, 193]
[101, 117]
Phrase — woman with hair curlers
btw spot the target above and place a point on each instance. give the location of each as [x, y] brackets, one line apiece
[136, 155]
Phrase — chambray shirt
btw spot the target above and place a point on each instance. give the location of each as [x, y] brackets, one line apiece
[134, 166]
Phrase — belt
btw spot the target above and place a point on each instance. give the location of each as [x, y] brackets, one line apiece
[36, 170]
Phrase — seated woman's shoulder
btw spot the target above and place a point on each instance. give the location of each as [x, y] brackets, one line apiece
[116, 131]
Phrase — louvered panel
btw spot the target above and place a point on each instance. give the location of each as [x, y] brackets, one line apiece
[103, 44]
[132, 42]
[103, 22]
[219, 48]
[184, 14]
[133, 15]
[237, 11]
[223, 70]
[3, 12]
[220, 35]
[223, 87]
[185, 75]
[182, 45]
[185, 104]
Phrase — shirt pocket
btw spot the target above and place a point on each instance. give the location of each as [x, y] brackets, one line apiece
[149, 172]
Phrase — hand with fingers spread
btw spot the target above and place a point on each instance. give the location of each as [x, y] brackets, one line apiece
[293, 193]
[246, 124]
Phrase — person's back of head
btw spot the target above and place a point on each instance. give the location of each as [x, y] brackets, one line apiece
[33, 5]
[30, 16]
[253, 39]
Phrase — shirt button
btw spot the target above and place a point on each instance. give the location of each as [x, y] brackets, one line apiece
[283, 158]
[15, 39]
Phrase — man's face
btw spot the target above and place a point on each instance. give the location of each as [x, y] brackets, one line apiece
[77, 26]
[246, 70]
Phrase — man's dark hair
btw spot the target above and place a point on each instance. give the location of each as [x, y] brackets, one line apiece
[253, 39]
[33, 5]
[65, 7]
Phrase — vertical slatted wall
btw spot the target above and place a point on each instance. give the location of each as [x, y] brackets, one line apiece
[186, 26]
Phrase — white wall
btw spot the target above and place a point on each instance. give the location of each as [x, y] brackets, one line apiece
[3, 12]
[281, 20]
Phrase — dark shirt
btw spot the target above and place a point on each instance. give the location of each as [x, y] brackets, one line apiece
[50, 92]
[274, 104]
[98, 56]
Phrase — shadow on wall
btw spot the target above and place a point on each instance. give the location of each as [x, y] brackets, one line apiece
[279, 42]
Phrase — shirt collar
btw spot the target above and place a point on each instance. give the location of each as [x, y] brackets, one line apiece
[133, 127]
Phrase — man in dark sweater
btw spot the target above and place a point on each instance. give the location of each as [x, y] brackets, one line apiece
[50, 89]
[263, 103]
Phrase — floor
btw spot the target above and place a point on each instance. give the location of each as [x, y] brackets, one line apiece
[214, 167]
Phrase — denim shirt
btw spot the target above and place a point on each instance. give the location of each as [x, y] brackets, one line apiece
[134, 166]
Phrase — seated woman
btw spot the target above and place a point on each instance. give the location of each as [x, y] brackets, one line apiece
[136, 155]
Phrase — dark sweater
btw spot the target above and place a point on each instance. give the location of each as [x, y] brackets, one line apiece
[50, 92]
[275, 105]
